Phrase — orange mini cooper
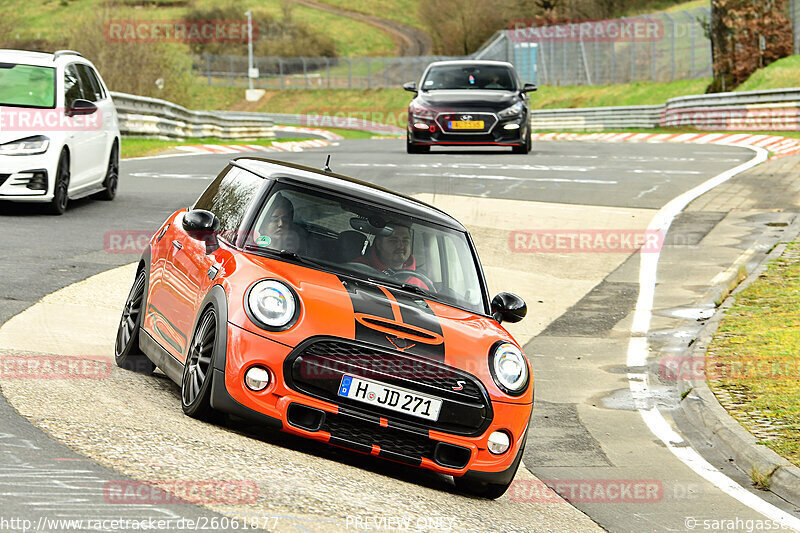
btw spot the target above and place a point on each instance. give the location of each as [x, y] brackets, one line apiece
[339, 311]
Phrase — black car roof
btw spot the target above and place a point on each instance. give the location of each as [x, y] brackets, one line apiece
[289, 172]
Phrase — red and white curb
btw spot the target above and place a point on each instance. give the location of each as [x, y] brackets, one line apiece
[325, 134]
[778, 145]
[289, 146]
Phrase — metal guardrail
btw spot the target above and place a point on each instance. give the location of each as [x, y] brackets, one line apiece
[152, 117]
[772, 110]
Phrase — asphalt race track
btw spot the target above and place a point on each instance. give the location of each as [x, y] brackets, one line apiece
[586, 431]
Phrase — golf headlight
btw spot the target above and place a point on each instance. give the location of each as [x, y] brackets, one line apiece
[272, 304]
[509, 368]
[26, 146]
[512, 111]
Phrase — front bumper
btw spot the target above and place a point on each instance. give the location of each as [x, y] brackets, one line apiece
[387, 437]
[505, 132]
[27, 178]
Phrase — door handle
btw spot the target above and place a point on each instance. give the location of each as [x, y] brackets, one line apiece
[177, 245]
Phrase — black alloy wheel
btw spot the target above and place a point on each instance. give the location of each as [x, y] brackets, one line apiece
[126, 348]
[112, 175]
[199, 367]
[58, 205]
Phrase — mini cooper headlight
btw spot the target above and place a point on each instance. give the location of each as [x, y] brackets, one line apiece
[27, 146]
[272, 304]
[512, 111]
[509, 368]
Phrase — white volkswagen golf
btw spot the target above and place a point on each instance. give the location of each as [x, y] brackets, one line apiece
[59, 136]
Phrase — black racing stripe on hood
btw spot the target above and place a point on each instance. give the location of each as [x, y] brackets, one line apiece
[369, 300]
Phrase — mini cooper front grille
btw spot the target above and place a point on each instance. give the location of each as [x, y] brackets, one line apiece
[317, 366]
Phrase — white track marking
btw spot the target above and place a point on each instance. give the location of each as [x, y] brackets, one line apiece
[638, 353]
[476, 166]
[506, 178]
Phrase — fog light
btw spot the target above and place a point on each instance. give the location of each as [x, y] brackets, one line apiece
[421, 126]
[256, 378]
[511, 127]
[499, 442]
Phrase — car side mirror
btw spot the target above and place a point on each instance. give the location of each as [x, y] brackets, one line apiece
[411, 87]
[203, 226]
[81, 107]
[508, 307]
[529, 88]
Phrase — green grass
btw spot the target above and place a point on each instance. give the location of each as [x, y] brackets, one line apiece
[403, 11]
[35, 19]
[669, 6]
[782, 73]
[639, 93]
[756, 349]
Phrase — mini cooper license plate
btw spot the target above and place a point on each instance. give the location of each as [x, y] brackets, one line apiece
[466, 124]
[394, 398]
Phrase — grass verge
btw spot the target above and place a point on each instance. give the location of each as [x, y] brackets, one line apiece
[46, 20]
[754, 355]
[387, 104]
[782, 73]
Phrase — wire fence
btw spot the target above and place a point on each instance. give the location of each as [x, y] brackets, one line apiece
[313, 72]
[659, 47]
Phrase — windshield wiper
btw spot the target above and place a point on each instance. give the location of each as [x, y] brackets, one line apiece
[408, 287]
[291, 255]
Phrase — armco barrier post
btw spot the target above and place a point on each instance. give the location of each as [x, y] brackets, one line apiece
[671, 48]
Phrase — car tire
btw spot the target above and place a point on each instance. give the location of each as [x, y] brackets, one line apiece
[127, 354]
[199, 368]
[112, 175]
[58, 205]
[412, 148]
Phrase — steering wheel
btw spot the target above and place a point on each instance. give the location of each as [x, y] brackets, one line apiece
[361, 267]
[419, 275]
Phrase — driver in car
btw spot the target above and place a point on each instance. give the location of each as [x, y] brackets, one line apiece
[392, 253]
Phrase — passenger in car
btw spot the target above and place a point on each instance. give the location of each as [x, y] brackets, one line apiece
[281, 232]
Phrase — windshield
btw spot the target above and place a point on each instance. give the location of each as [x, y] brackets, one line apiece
[27, 85]
[344, 235]
[491, 77]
